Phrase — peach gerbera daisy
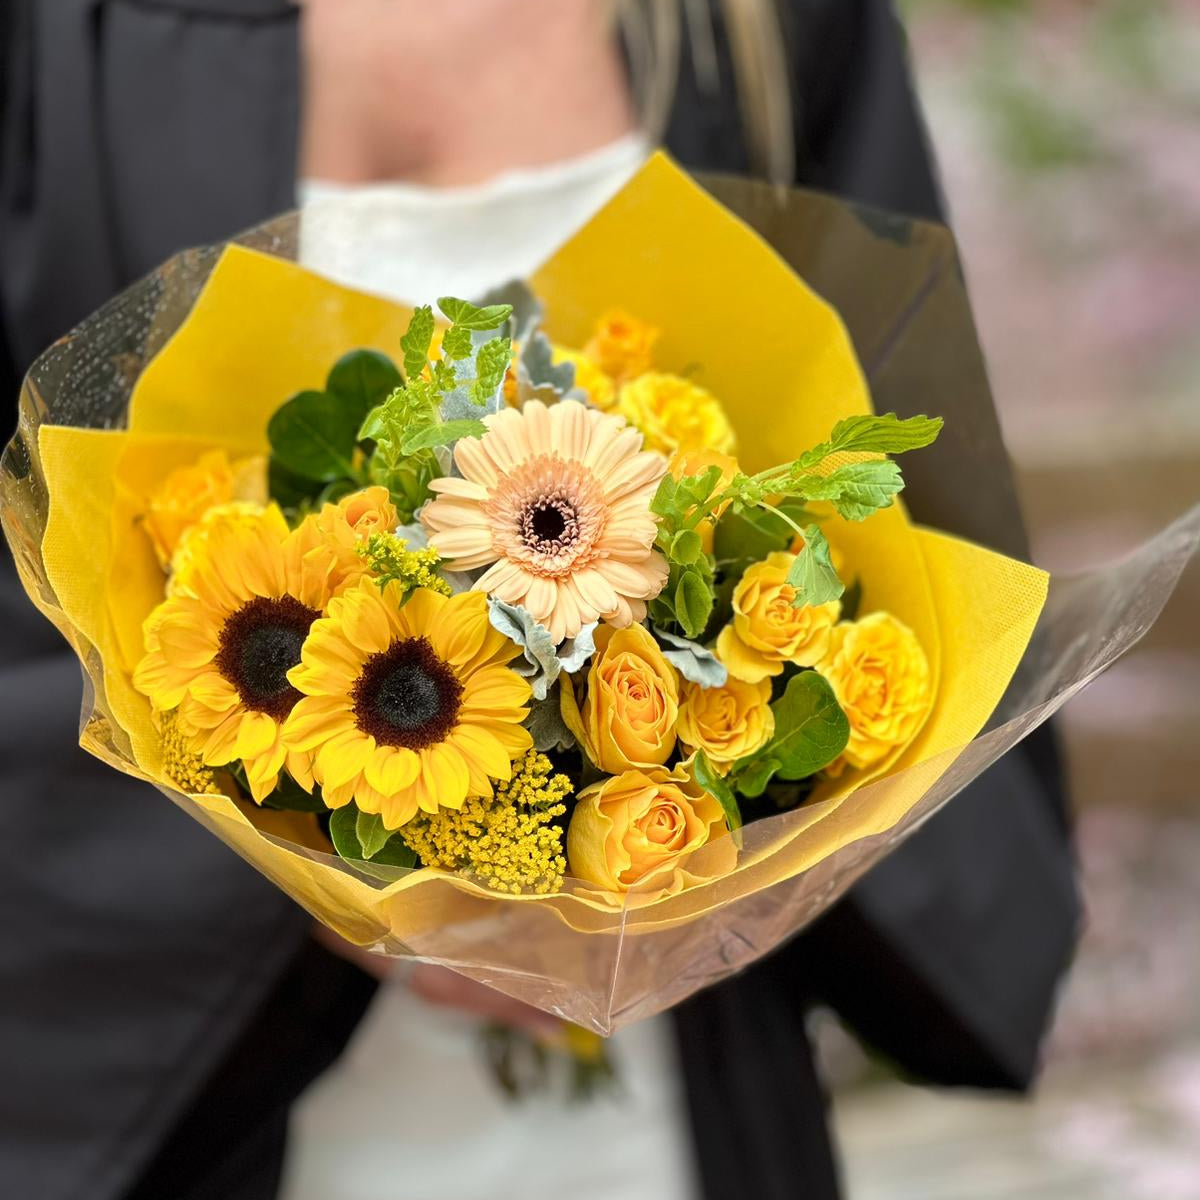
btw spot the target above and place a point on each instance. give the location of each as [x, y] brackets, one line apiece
[556, 503]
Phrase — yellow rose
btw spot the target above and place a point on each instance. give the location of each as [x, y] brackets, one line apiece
[189, 492]
[696, 462]
[675, 415]
[638, 829]
[726, 722]
[766, 630]
[627, 718]
[622, 345]
[880, 676]
[600, 389]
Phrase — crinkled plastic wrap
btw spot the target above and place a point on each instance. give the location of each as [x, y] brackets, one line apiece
[199, 353]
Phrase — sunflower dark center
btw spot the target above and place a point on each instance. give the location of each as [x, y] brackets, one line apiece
[550, 524]
[259, 645]
[407, 696]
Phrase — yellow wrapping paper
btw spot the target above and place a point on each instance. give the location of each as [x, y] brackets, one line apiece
[781, 361]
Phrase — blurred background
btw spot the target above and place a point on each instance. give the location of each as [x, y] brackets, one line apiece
[1068, 133]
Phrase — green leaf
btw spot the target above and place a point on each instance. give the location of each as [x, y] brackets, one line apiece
[884, 434]
[752, 779]
[363, 379]
[371, 833]
[749, 535]
[313, 435]
[812, 574]
[343, 832]
[375, 426]
[456, 343]
[470, 316]
[663, 503]
[491, 365]
[288, 489]
[810, 732]
[416, 341]
[686, 547]
[441, 434]
[693, 602]
[291, 797]
[856, 490]
[705, 774]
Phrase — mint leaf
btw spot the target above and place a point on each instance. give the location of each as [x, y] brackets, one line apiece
[313, 435]
[856, 490]
[491, 365]
[456, 343]
[441, 434]
[753, 777]
[812, 574]
[470, 316]
[705, 774]
[885, 434]
[416, 341]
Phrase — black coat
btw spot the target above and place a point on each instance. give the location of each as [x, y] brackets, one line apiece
[160, 1003]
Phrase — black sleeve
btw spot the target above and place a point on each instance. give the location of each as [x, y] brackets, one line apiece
[947, 955]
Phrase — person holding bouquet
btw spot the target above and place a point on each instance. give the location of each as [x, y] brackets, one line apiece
[130, 130]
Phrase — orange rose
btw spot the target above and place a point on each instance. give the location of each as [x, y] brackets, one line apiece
[638, 829]
[881, 678]
[726, 722]
[627, 718]
[348, 524]
[622, 345]
[189, 492]
[767, 631]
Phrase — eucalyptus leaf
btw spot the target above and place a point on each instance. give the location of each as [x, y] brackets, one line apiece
[545, 724]
[812, 574]
[371, 832]
[286, 488]
[289, 796]
[313, 435]
[695, 663]
[343, 832]
[362, 379]
[753, 778]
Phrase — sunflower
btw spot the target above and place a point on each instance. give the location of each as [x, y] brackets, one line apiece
[407, 706]
[219, 648]
[558, 501]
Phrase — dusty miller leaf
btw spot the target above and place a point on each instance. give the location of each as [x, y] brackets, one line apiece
[692, 660]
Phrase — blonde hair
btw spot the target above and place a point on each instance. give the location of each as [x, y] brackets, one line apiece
[654, 32]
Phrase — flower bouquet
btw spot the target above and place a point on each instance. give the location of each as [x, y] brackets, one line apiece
[577, 638]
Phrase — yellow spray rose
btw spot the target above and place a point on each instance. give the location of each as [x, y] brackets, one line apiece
[600, 388]
[627, 717]
[675, 414]
[726, 722]
[766, 630]
[638, 829]
[880, 676]
[622, 346]
[342, 528]
[189, 492]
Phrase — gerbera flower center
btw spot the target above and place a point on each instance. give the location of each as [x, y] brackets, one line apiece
[548, 514]
[406, 695]
[259, 644]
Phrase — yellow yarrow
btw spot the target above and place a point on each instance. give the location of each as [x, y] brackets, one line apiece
[182, 764]
[511, 842]
[389, 559]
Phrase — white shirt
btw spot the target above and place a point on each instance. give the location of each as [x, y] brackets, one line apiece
[410, 1112]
